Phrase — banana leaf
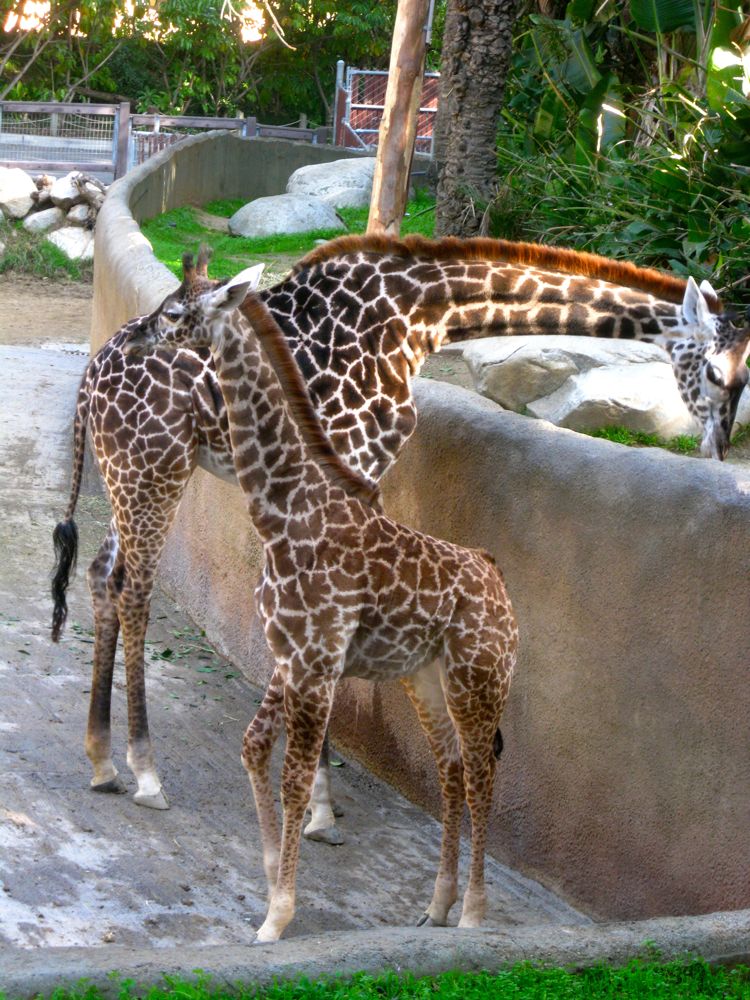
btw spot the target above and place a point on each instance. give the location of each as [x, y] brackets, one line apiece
[663, 15]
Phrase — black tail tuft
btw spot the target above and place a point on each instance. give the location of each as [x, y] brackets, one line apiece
[497, 744]
[65, 538]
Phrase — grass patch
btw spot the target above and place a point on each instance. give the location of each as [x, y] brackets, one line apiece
[693, 980]
[30, 253]
[181, 229]
[683, 444]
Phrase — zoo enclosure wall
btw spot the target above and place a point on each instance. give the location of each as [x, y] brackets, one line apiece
[625, 779]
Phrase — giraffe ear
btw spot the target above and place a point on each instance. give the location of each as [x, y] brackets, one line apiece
[230, 295]
[708, 293]
[695, 311]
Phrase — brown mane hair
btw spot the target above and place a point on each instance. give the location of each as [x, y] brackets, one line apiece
[619, 272]
[293, 386]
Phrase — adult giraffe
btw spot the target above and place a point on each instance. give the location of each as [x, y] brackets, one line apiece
[360, 315]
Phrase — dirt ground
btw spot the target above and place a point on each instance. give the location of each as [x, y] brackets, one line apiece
[77, 868]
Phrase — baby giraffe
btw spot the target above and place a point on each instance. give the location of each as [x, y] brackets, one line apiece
[344, 592]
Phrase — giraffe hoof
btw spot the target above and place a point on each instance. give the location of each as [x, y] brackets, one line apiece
[427, 921]
[115, 786]
[326, 835]
[156, 801]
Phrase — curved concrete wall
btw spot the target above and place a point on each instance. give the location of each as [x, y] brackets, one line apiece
[625, 782]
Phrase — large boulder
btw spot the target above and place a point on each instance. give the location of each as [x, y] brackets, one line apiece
[342, 183]
[283, 213]
[76, 243]
[48, 218]
[15, 192]
[582, 383]
[64, 192]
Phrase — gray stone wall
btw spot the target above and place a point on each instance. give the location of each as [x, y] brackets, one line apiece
[625, 782]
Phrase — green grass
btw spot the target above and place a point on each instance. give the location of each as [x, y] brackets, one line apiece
[182, 230]
[693, 980]
[683, 444]
[31, 253]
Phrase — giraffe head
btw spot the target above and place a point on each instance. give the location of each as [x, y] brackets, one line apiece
[709, 358]
[193, 315]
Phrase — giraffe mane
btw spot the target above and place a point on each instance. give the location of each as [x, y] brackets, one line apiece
[293, 386]
[619, 272]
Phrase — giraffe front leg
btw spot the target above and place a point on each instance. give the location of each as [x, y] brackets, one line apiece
[257, 744]
[426, 694]
[98, 741]
[322, 826]
[307, 706]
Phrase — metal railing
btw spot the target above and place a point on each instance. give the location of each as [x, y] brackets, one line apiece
[53, 136]
[359, 105]
[107, 138]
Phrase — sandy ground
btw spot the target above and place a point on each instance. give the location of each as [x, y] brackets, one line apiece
[78, 868]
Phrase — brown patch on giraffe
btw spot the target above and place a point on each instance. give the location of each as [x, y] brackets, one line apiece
[619, 272]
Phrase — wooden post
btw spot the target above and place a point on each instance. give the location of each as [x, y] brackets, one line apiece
[123, 137]
[398, 125]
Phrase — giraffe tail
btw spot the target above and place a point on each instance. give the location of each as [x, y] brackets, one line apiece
[65, 535]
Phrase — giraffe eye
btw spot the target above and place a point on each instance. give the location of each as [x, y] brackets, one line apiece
[172, 313]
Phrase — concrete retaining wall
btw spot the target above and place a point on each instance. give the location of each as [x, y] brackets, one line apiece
[625, 783]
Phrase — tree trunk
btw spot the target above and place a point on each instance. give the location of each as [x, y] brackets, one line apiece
[476, 55]
[398, 127]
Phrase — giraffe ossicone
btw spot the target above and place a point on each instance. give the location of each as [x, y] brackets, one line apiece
[360, 315]
[346, 591]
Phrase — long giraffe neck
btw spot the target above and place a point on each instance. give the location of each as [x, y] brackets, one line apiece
[280, 483]
[420, 294]
[272, 426]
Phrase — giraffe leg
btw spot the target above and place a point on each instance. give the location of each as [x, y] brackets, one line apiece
[142, 535]
[322, 826]
[106, 629]
[307, 706]
[258, 742]
[426, 693]
[476, 714]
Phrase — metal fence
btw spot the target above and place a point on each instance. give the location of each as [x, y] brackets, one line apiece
[360, 101]
[107, 139]
[59, 137]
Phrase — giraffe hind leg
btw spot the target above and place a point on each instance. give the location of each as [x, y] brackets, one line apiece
[476, 711]
[106, 629]
[142, 533]
[426, 693]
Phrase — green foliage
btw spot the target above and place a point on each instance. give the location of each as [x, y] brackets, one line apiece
[182, 229]
[593, 155]
[663, 15]
[193, 61]
[639, 980]
[31, 253]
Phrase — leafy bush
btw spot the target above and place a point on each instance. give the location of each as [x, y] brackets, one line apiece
[632, 145]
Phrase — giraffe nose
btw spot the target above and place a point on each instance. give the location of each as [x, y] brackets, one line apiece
[713, 374]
